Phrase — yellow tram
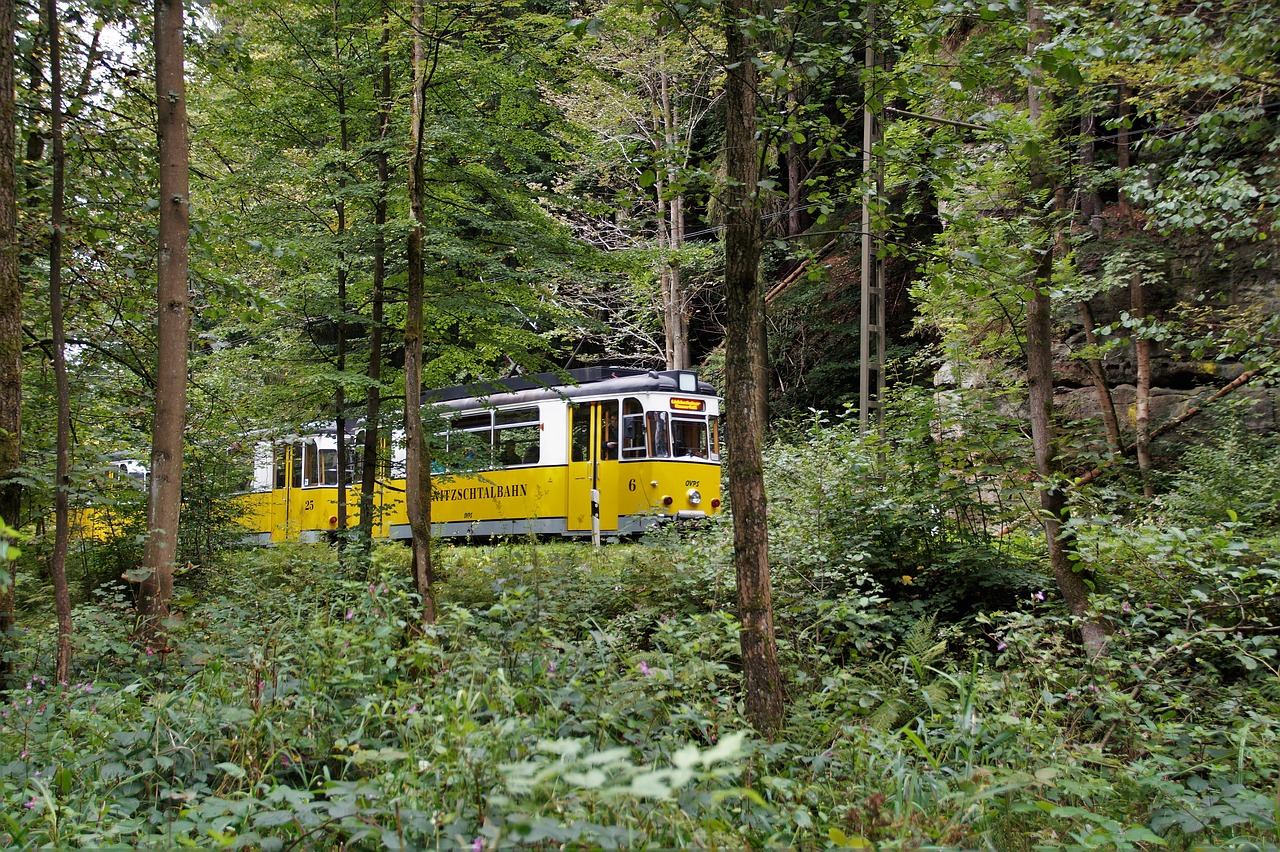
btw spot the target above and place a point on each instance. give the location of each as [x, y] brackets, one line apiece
[611, 451]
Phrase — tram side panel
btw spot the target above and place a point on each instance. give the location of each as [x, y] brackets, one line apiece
[640, 456]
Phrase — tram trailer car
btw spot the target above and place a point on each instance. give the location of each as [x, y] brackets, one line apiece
[613, 452]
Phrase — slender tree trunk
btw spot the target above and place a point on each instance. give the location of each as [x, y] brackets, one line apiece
[1090, 201]
[373, 402]
[340, 391]
[1124, 155]
[664, 275]
[677, 300]
[746, 380]
[1105, 401]
[795, 176]
[1053, 498]
[35, 141]
[62, 490]
[10, 328]
[417, 457]
[679, 293]
[1142, 401]
[165, 499]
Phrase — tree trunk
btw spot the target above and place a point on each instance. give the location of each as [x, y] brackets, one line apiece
[1124, 155]
[165, 498]
[795, 175]
[1142, 396]
[62, 488]
[664, 274]
[10, 328]
[1053, 498]
[746, 380]
[373, 402]
[1105, 402]
[679, 291]
[340, 392]
[417, 458]
[1090, 201]
[677, 307]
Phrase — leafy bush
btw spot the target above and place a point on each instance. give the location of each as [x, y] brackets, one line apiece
[904, 531]
[1234, 475]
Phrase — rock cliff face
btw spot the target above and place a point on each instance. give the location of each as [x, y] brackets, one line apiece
[1232, 290]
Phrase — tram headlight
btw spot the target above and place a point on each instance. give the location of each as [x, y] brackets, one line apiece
[694, 497]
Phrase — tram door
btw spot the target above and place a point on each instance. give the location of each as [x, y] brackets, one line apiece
[288, 476]
[593, 465]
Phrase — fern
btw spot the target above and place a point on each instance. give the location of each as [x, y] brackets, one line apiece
[904, 683]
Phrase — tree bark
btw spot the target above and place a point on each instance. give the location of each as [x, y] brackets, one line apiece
[746, 380]
[1090, 200]
[1053, 497]
[62, 493]
[1106, 404]
[1142, 395]
[1124, 152]
[340, 391]
[677, 308]
[165, 498]
[373, 401]
[417, 458]
[10, 327]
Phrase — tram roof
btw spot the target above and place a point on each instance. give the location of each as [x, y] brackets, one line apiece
[581, 381]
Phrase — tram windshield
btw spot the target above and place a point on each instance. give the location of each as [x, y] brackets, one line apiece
[658, 434]
[690, 438]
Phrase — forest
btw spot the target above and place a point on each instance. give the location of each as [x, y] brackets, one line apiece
[987, 289]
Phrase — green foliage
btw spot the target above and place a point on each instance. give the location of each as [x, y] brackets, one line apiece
[904, 685]
[1232, 476]
[591, 698]
[931, 537]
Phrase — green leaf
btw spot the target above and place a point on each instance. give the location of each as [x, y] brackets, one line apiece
[232, 769]
[271, 819]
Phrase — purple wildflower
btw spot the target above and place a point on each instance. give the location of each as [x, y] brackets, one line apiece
[644, 668]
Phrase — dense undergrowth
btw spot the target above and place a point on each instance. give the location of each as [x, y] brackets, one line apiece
[579, 698]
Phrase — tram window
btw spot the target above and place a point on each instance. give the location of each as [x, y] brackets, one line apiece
[310, 464]
[689, 437]
[518, 436]
[714, 422]
[580, 437]
[282, 467]
[470, 444]
[329, 466]
[635, 438]
[382, 454]
[296, 465]
[659, 435]
[608, 431]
